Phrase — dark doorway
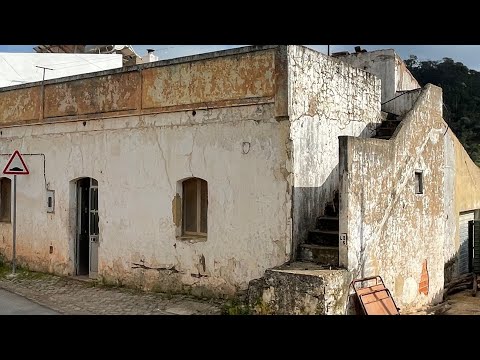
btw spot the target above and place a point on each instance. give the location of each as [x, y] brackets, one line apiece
[82, 226]
[87, 228]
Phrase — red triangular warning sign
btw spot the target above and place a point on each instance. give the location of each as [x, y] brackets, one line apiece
[16, 165]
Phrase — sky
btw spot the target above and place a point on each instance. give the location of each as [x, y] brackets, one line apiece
[467, 54]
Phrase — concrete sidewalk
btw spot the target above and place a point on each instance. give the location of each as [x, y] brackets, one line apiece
[75, 297]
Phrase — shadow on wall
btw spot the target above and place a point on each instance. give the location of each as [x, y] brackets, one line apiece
[309, 202]
[457, 265]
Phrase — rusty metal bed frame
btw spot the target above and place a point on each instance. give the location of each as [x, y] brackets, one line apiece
[374, 299]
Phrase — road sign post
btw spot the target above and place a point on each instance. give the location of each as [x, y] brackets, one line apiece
[14, 251]
[15, 166]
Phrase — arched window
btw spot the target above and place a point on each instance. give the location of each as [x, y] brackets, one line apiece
[195, 204]
[5, 199]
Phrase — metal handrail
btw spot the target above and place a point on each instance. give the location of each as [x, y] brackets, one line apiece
[405, 92]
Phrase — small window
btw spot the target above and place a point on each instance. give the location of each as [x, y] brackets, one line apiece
[195, 203]
[5, 199]
[418, 182]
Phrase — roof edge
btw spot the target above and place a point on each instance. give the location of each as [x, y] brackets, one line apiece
[180, 60]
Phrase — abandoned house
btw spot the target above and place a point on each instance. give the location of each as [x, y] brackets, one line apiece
[275, 169]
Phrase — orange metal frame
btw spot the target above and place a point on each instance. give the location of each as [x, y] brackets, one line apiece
[374, 299]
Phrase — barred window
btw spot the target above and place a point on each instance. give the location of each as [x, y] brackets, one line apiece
[195, 204]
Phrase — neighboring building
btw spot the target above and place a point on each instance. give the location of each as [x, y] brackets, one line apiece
[23, 68]
[200, 174]
[129, 56]
[66, 60]
[65, 49]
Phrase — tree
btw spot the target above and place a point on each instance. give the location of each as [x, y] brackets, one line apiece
[461, 97]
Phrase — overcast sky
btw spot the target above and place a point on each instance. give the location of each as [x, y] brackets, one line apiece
[467, 54]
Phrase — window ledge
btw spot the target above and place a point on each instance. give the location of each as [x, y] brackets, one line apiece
[192, 238]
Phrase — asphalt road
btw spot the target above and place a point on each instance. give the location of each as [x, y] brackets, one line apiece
[12, 304]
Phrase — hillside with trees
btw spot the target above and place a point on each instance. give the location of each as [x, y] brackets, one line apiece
[461, 97]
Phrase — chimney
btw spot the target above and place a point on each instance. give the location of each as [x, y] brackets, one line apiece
[149, 57]
[358, 49]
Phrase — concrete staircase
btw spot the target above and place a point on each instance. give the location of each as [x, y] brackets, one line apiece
[313, 283]
[321, 246]
[388, 126]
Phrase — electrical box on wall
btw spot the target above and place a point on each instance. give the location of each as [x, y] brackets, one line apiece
[343, 239]
[50, 201]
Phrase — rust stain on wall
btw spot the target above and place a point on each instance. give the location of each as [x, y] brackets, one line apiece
[223, 78]
[94, 95]
[423, 286]
[20, 106]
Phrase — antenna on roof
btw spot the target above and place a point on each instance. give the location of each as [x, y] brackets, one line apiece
[44, 68]
[43, 88]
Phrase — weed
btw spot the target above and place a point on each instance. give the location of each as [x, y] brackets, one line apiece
[236, 307]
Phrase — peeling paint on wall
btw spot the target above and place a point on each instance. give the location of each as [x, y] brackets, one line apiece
[264, 136]
[240, 79]
[20, 106]
[329, 98]
[388, 66]
[137, 162]
[95, 95]
[249, 75]
[392, 230]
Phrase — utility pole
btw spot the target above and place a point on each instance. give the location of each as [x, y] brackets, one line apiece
[14, 256]
[328, 48]
[43, 89]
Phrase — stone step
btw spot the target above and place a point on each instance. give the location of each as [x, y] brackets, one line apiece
[327, 223]
[319, 254]
[323, 237]
[331, 209]
[390, 123]
[392, 116]
[384, 131]
[300, 288]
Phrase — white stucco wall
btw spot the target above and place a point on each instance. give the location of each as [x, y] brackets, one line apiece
[404, 79]
[450, 246]
[137, 162]
[20, 68]
[386, 65]
[328, 98]
[392, 231]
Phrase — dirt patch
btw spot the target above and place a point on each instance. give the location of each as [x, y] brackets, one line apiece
[463, 303]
